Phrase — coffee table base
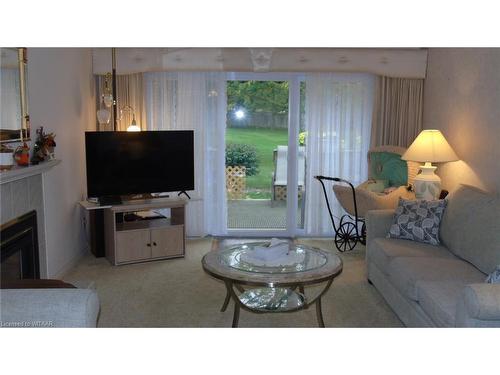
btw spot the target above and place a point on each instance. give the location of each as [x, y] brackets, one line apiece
[256, 308]
[264, 288]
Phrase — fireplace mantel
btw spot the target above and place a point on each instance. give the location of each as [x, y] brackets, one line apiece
[17, 173]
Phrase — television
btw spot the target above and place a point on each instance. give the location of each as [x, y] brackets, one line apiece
[128, 163]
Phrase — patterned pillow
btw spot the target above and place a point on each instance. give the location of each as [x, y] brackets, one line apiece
[494, 277]
[418, 220]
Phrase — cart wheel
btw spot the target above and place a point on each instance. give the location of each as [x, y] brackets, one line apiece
[345, 238]
[363, 234]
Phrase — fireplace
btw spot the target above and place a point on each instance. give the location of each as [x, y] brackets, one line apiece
[19, 257]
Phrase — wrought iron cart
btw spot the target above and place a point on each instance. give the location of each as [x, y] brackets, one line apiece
[389, 172]
[348, 231]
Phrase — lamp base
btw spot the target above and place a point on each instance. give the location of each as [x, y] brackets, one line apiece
[427, 183]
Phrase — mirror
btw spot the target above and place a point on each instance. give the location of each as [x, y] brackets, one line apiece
[14, 118]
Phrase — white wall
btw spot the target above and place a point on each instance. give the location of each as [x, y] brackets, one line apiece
[462, 99]
[61, 98]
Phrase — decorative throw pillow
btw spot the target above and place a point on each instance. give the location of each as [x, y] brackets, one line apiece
[418, 220]
[494, 277]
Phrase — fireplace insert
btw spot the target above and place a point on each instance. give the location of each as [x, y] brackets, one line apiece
[19, 258]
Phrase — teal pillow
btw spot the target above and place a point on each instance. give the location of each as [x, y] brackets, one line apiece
[388, 166]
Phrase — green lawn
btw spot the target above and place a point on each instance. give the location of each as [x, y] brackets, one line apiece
[265, 141]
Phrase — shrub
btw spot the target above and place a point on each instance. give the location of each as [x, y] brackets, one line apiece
[245, 155]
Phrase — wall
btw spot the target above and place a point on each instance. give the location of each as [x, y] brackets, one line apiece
[61, 98]
[462, 99]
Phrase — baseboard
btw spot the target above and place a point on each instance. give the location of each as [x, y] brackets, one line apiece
[70, 264]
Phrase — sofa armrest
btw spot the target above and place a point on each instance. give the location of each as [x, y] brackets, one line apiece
[378, 223]
[479, 306]
[48, 308]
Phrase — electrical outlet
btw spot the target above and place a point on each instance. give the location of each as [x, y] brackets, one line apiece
[84, 221]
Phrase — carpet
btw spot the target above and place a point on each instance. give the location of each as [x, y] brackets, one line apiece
[178, 293]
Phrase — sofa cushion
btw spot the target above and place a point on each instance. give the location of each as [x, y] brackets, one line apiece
[384, 250]
[418, 220]
[471, 227]
[405, 273]
[439, 300]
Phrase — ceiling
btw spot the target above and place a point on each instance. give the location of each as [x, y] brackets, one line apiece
[397, 62]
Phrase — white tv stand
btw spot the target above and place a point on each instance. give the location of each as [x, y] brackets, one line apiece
[147, 239]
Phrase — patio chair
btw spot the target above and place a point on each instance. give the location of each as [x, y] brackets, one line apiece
[280, 158]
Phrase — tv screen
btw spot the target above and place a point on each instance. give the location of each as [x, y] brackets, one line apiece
[122, 163]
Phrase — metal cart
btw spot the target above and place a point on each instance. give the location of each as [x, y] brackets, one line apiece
[348, 232]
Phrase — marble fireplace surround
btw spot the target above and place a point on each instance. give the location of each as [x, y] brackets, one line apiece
[21, 190]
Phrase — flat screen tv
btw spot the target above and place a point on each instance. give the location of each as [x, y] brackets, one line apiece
[127, 163]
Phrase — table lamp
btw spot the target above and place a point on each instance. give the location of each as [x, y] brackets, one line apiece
[429, 147]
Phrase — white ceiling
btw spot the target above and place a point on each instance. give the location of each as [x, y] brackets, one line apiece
[410, 63]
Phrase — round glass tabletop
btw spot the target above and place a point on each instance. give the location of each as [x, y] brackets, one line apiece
[283, 258]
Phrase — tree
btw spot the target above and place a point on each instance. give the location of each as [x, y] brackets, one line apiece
[258, 96]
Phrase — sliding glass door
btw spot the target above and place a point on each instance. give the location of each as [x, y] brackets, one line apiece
[263, 156]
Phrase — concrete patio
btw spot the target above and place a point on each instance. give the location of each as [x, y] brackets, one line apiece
[258, 214]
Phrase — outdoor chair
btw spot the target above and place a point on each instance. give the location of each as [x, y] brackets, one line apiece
[279, 182]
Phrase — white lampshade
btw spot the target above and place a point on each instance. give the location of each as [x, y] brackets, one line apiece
[430, 146]
[103, 116]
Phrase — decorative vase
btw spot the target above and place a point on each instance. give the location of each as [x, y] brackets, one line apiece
[427, 183]
[22, 155]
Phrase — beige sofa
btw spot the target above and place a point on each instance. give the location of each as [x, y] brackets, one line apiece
[441, 286]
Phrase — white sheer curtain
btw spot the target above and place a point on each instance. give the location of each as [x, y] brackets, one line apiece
[338, 117]
[161, 100]
[195, 101]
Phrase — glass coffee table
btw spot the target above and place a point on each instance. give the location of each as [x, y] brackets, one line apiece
[273, 286]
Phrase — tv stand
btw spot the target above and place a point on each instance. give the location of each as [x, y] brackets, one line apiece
[147, 239]
[183, 192]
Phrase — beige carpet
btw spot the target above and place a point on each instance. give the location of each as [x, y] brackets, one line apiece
[178, 293]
